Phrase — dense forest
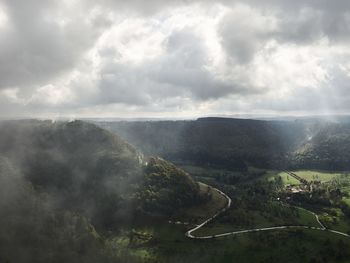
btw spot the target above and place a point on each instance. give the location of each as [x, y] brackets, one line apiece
[237, 143]
[328, 149]
[64, 185]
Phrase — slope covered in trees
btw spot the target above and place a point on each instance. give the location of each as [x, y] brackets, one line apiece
[30, 223]
[166, 188]
[58, 181]
[236, 143]
[328, 149]
[232, 143]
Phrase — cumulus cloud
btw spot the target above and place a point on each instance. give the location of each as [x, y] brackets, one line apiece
[37, 44]
[176, 58]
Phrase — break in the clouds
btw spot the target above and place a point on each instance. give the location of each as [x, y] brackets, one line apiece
[173, 58]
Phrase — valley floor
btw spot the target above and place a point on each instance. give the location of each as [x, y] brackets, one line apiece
[254, 222]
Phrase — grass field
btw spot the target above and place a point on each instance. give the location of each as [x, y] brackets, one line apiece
[286, 178]
[203, 211]
[334, 219]
[203, 170]
[306, 174]
[170, 245]
[207, 174]
[317, 175]
[260, 220]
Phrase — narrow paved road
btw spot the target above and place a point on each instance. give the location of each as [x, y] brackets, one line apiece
[228, 205]
[229, 201]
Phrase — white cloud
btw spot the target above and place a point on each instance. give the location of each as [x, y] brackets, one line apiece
[173, 58]
[3, 17]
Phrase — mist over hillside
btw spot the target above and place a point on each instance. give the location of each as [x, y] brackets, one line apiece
[180, 131]
[71, 191]
[239, 143]
[60, 181]
[326, 149]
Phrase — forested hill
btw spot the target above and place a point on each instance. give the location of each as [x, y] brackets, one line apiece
[238, 143]
[233, 143]
[60, 181]
[327, 149]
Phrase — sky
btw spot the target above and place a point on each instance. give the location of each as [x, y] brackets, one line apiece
[174, 59]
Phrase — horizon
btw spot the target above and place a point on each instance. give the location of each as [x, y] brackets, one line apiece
[331, 118]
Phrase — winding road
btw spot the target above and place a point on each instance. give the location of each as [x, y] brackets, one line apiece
[228, 205]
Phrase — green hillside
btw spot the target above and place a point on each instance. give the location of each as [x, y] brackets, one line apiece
[31, 224]
[60, 181]
[236, 144]
[222, 142]
[328, 149]
[166, 188]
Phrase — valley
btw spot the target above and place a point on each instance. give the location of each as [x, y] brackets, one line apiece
[180, 131]
[104, 199]
[236, 228]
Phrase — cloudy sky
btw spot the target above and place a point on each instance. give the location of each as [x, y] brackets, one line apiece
[158, 58]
